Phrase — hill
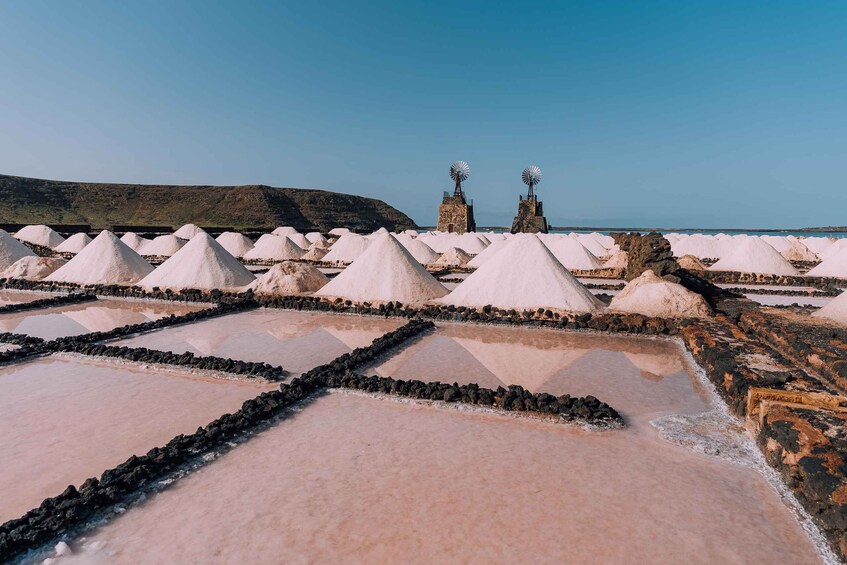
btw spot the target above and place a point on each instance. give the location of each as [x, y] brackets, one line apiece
[30, 201]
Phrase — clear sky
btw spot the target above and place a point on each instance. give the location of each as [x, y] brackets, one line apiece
[679, 113]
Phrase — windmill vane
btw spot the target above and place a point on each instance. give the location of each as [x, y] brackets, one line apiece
[459, 171]
[531, 175]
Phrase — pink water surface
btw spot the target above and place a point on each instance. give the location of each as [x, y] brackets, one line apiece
[298, 341]
[357, 479]
[635, 375]
[20, 297]
[63, 420]
[86, 317]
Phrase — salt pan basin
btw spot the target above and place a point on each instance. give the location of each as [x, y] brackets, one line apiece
[96, 316]
[298, 341]
[65, 419]
[21, 297]
[358, 479]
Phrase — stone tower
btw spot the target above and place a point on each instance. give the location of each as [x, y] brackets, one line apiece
[455, 215]
[530, 218]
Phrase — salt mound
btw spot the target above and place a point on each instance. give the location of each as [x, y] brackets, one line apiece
[235, 243]
[339, 231]
[835, 266]
[752, 255]
[284, 230]
[314, 236]
[836, 309]
[691, 263]
[347, 249]
[422, 252]
[572, 254]
[831, 250]
[201, 264]
[275, 248]
[12, 250]
[188, 231]
[653, 296]
[134, 241]
[32, 268]
[163, 246]
[489, 253]
[796, 251]
[40, 235]
[377, 233]
[701, 246]
[524, 274]
[106, 260]
[315, 254]
[289, 278]
[453, 257]
[592, 245]
[617, 261]
[385, 272]
[817, 244]
[320, 244]
[74, 244]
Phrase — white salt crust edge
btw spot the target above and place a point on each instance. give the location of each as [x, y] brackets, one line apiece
[675, 428]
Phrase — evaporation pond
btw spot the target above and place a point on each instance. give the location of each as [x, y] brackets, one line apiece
[298, 341]
[65, 419]
[22, 296]
[351, 478]
[638, 376]
[94, 316]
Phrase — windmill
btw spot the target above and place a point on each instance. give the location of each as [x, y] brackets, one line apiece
[459, 172]
[531, 177]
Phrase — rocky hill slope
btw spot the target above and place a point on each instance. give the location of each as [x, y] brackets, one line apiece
[28, 201]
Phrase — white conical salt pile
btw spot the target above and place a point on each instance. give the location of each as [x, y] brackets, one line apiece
[284, 230]
[701, 246]
[691, 263]
[201, 264]
[817, 245]
[422, 252]
[347, 249]
[651, 295]
[777, 242]
[490, 252]
[12, 250]
[571, 253]
[831, 250]
[592, 245]
[338, 231]
[289, 278]
[524, 274]
[134, 241]
[796, 251]
[377, 233]
[385, 272]
[40, 235]
[315, 254]
[74, 244]
[835, 266]
[752, 255]
[835, 310]
[299, 240]
[106, 260]
[235, 243]
[275, 248]
[163, 246]
[472, 243]
[188, 231]
[320, 244]
[314, 236]
[454, 257]
[32, 268]
[617, 261]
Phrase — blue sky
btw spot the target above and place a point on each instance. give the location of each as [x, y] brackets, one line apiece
[685, 114]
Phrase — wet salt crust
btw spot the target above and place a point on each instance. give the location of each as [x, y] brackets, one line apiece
[373, 481]
[99, 315]
[64, 420]
[298, 341]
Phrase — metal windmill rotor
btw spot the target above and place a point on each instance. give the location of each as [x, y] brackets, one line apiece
[531, 177]
[459, 172]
